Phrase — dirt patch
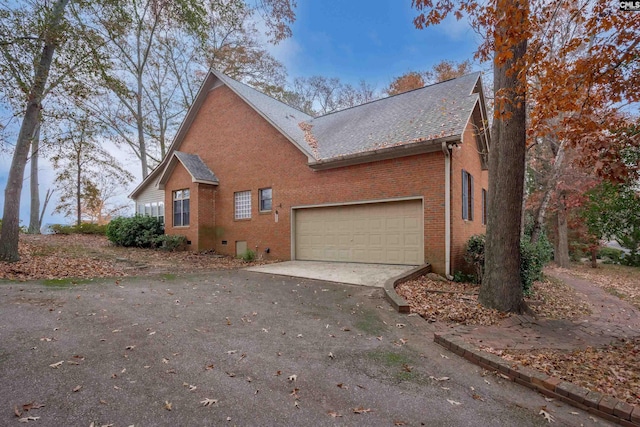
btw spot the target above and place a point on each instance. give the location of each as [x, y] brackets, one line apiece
[88, 256]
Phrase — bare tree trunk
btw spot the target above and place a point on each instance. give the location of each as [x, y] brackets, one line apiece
[13, 190]
[561, 254]
[47, 197]
[140, 123]
[34, 218]
[550, 188]
[501, 286]
[79, 191]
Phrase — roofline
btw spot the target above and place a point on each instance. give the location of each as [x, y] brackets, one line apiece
[421, 147]
[170, 167]
[397, 94]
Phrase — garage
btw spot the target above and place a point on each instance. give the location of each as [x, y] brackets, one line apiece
[380, 233]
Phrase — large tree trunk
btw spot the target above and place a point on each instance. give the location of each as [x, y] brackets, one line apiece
[13, 190]
[34, 214]
[561, 254]
[501, 286]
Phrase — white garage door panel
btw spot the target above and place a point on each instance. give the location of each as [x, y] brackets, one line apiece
[382, 233]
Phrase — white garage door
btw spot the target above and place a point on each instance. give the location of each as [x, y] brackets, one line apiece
[380, 233]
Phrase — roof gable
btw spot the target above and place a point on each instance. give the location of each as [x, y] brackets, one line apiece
[193, 164]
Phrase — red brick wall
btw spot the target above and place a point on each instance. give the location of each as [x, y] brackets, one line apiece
[466, 157]
[247, 153]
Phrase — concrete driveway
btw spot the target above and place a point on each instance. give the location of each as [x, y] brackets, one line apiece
[339, 272]
[237, 348]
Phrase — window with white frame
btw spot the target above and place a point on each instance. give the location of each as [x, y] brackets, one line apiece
[242, 205]
[265, 199]
[467, 196]
[181, 208]
[154, 209]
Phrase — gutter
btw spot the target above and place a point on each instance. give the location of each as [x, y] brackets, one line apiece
[447, 210]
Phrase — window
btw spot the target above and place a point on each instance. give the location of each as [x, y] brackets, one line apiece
[265, 199]
[467, 196]
[484, 207]
[242, 205]
[155, 209]
[181, 208]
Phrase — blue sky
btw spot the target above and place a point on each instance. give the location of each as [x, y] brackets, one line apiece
[371, 40]
[374, 40]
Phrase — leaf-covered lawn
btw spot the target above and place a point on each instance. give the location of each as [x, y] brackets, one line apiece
[88, 256]
[438, 300]
[613, 369]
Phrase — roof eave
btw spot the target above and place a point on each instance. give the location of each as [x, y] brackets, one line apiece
[204, 181]
[422, 147]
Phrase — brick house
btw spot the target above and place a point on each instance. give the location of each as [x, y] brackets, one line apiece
[399, 180]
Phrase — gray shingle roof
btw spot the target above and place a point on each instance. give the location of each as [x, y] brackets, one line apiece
[196, 167]
[437, 111]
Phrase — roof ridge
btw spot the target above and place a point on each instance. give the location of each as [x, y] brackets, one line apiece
[395, 95]
[260, 92]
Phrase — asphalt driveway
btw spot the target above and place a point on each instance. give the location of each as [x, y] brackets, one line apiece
[257, 350]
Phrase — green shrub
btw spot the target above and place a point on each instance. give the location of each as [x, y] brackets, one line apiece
[84, 228]
[532, 258]
[610, 255]
[474, 255]
[462, 277]
[138, 231]
[248, 255]
[168, 242]
[90, 228]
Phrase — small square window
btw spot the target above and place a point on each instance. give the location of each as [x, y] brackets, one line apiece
[242, 201]
[265, 199]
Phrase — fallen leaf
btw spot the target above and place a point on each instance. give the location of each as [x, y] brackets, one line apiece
[334, 414]
[361, 410]
[209, 367]
[399, 423]
[331, 356]
[17, 411]
[31, 405]
[57, 364]
[167, 405]
[444, 357]
[439, 378]
[547, 416]
[209, 402]
[400, 325]
[342, 386]
[27, 419]
[296, 404]
[77, 388]
[453, 402]
[292, 377]
[130, 347]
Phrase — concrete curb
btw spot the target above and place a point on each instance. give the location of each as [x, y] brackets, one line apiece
[396, 300]
[604, 406]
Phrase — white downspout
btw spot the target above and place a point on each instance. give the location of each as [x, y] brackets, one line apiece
[447, 211]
